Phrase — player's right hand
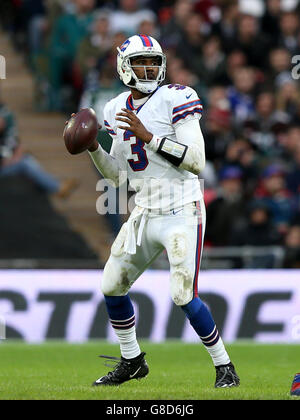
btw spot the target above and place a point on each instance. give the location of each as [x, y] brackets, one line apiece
[82, 134]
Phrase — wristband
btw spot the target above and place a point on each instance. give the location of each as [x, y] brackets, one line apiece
[172, 151]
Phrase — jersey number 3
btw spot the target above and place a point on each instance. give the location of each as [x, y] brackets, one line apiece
[137, 148]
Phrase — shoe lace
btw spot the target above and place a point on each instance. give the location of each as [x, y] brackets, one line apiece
[116, 359]
[221, 374]
[119, 365]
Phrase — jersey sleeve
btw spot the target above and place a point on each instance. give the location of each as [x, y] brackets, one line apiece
[117, 153]
[116, 150]
[186, 105]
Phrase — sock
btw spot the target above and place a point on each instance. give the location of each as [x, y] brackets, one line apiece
[202, 321]
[122, 318]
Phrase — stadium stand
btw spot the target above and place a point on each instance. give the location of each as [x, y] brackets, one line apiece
[32, 230]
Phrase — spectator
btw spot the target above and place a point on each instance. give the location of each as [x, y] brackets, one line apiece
[251, 8]
[279, 65]
[270, 20]
[227, 209]
[241, 153]
[68, 32]
[293, 177]
[56, 8]
[172, 31]
[296, 116]
[218, 131]
[37, 24]
[226, 27]
[240, 95]
[13, 161]
[175, 64]
[234, 62]
[289, 31]
[148, 27]
[258, 229]
[273, 192]
[289, 142]
[189, 47]
[265, 111]
[209, 9]
[23, 13]
[210, 177]
[288, 96]
[217, 125]
[211, 67]
[94, 46]
[264, 121]
[251, 41]
[185, 77]
[128, 17]
[110, 59]
[8, 131]
[292, 248]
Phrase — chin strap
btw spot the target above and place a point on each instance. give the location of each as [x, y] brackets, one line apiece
[146, 87]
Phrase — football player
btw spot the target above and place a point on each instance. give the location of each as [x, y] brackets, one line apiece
[158, 145]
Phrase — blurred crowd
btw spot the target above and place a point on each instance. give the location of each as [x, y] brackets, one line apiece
[241, 58]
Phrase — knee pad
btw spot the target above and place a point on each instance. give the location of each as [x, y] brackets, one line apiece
[181, 286]
[115, 282]
[177, 249]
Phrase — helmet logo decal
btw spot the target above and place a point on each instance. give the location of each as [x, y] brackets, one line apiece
[125, 45]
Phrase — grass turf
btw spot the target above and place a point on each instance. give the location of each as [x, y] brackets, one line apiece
[178, 371]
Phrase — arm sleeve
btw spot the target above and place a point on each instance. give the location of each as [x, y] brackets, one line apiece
[188, 134]
[108, 166]
[191, 135]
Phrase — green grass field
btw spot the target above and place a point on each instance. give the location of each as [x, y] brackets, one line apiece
[58, 370]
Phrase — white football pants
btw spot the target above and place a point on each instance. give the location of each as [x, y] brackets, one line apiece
[180, 232]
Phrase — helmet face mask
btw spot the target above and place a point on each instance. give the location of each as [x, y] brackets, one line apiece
[140, 46]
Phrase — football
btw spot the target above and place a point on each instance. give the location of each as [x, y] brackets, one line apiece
[80, 131]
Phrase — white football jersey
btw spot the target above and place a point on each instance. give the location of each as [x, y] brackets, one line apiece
[158, 183]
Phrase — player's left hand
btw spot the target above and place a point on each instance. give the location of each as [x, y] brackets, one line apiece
[134, 125]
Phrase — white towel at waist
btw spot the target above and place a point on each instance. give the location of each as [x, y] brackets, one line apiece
[137, 218]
